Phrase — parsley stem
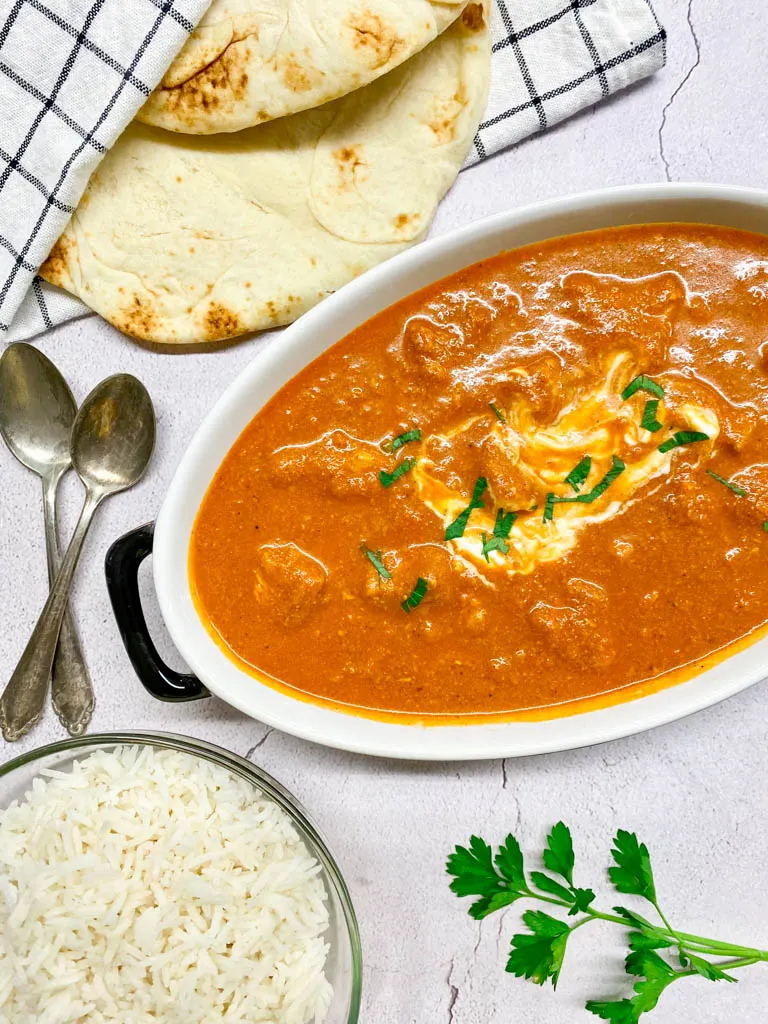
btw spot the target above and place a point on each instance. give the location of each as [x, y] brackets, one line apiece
[694, 943]
[667, 925]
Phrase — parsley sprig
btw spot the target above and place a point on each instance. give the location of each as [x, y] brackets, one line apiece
[658, 955]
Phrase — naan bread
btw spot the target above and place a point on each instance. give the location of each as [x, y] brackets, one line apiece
[183, 238]
[250, 61]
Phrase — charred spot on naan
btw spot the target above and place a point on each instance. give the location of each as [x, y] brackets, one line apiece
[220, 322]
[348, 161]
[374, 39]
[222, 83]
[473, 17]
[55, 269]
[139, 319]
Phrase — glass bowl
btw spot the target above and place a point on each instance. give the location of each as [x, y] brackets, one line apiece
[343, 967]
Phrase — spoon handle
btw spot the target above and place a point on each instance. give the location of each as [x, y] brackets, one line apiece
[24, 697]
[71, 689]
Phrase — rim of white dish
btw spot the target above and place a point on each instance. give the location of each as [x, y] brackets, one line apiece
[298, 345]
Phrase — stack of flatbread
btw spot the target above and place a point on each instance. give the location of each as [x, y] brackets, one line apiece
[291, 145]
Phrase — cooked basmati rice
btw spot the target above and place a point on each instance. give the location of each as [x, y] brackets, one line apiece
[145, 885]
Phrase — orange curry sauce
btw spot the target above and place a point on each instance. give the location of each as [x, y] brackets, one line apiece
[661, 570]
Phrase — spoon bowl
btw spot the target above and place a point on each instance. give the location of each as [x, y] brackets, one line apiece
[113, 435]
[37, 409]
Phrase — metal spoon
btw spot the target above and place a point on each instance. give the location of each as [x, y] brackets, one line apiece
[112, 441]
[37, 411]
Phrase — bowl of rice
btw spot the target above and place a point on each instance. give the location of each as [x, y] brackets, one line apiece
[150, 878]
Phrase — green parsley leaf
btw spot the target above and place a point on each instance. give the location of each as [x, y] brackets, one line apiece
[549, 507]
[646, 963]
[401, 439]
[621, 1012]
[374, 557]
[708, 970]
[558, 856]
[539, 955]
[509, 861]
[387, 479]
[649, 421]
[498, 413]
[474, 875]
[632, 871]
[547, 884]
[416, 596]
[473, 870]
[579, 473]
[498, 902]
[459, 524]
[636, 920]
[738, 491]
[642, 383]
[657, 974]
[682, 437]
[645, 940]
[582, 899]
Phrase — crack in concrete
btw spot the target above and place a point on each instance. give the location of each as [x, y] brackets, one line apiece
[261, 742]
[681, 85]
[454, 991]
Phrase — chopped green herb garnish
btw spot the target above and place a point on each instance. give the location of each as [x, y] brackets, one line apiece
[416, 596]
[579, 473]
[504, 523]
[387, 479]
[765, 525]
[642, 383]
[459, 524]
[738, 491]
[649, 421]
[374, 557]
[498, 413]
[613, 473]
[401, 439]
[600, 488]
[498, 542]
[657, 956]
[683, 437]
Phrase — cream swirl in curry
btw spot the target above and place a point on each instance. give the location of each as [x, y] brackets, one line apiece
[538, 482]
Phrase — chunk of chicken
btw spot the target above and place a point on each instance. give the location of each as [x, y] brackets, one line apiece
[574, 629]
[336, 463]
[290, 581]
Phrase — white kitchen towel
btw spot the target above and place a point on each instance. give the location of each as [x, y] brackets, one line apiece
[73, 73]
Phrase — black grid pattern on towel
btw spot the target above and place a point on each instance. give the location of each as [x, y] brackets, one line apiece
[549, 63]
[68, 97]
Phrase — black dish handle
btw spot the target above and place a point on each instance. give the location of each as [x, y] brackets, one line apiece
[122, 571]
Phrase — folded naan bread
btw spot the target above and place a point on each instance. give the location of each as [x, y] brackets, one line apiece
[250, 61]
[183, 238]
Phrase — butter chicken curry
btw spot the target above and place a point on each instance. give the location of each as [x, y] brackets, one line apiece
[540, 480]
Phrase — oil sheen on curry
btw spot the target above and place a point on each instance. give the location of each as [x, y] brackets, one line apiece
[536, 485]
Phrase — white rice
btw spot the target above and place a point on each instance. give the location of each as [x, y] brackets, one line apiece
[145, 885]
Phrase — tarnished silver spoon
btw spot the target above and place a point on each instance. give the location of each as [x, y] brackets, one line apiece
[112, 441]
[37, 411]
